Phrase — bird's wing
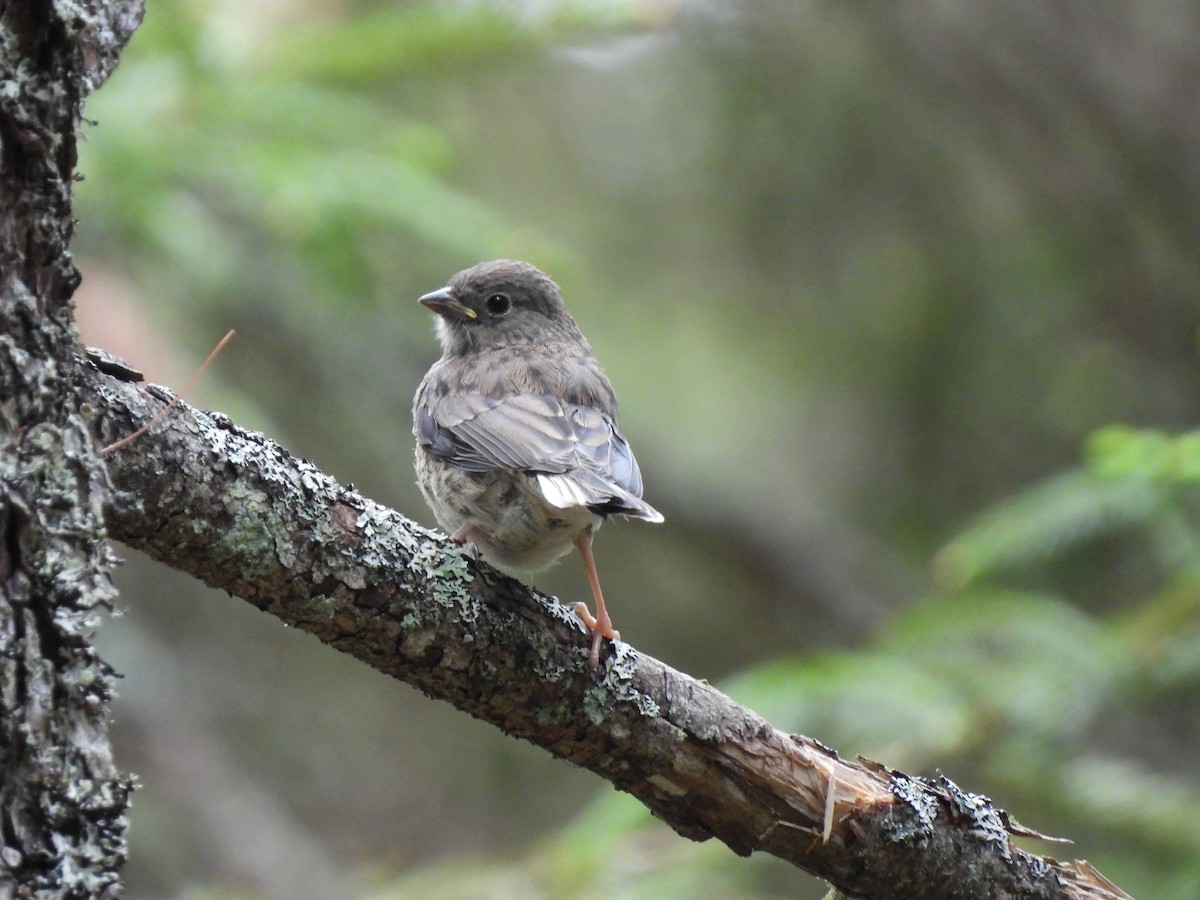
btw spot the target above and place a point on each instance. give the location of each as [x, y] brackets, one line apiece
[577, 452]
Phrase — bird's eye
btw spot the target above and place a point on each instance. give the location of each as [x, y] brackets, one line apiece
[498, 304]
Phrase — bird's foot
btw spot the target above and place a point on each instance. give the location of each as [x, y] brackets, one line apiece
[463, 537]
[600, 629]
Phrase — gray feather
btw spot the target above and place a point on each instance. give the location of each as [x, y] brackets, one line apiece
[580, 450]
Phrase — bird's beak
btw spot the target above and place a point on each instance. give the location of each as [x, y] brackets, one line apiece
[447, 306]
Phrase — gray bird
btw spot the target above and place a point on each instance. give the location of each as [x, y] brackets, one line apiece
[518, 450]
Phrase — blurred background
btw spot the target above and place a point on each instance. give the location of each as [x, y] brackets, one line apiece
[901, 302]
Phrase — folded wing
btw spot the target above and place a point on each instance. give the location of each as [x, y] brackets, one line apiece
[577, 453]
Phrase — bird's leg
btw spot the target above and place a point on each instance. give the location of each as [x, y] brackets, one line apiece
[601, 624]
[463, 536]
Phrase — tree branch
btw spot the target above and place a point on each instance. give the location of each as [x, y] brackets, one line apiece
[237, 511]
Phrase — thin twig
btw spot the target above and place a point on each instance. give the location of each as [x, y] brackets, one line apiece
[157, 417]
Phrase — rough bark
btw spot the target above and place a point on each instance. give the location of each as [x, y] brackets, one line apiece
[238, 512]
[62, 801]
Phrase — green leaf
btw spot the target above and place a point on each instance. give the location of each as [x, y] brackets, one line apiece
[1030, 661]
[1119, 451]
[1042, 522]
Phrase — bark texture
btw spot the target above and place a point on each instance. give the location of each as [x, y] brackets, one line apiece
[62, 801]
[238, 512]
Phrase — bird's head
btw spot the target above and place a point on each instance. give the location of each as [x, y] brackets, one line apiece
[502, 303]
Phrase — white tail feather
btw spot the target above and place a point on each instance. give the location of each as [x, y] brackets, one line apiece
[566, 491]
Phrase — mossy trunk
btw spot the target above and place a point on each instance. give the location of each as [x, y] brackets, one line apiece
[62, 801]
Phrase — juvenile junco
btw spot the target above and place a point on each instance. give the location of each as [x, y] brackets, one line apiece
[518, 450]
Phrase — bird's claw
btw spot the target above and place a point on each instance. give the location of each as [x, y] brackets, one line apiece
[599, 630]
[592, 622]
[462, 537]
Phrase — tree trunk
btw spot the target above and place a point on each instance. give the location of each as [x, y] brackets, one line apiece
[62, 801]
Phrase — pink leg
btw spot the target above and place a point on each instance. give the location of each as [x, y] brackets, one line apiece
[463, 536]
[601, 625]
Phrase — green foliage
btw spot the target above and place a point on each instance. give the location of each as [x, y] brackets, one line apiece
[391, 43]
[218, 144]
[1134, 481]
[1025, 664]
[1043, 522]
[215, 156]
[1121, 452]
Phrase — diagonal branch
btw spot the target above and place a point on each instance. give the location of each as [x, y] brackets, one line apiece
[238, 512]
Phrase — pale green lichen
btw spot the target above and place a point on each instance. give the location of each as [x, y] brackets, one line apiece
[285, 552]
[646, 705]
[548, 665]
[435, 563]
[448, 577]
[561, 611]
[619, 678]
[450, 593]
[595, 704]
[624, 662]
[252, 529]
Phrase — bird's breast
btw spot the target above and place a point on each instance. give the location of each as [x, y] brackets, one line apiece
[510, 521]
